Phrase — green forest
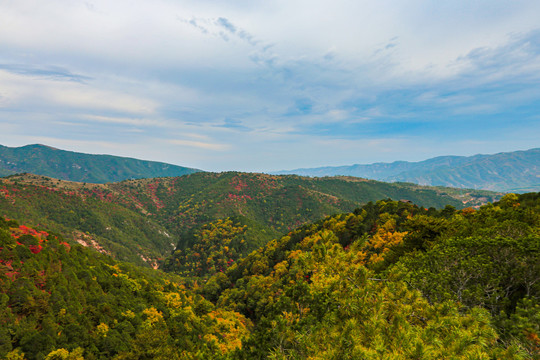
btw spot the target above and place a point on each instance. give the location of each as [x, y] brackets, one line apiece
[142, 221]
[388, 280]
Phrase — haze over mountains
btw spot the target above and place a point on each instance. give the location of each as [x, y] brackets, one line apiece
[517, 171]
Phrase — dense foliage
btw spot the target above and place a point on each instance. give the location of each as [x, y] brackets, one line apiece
[390, 280]
[393, 280]
[214, 247]
[141, 221]
[67, 302]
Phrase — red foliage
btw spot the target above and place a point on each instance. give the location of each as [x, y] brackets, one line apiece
[25, 230]
[241, 198]
[12, 275]
[35, 249]
[4, 192]
[7, 263]
[238, 184]
[152, 187]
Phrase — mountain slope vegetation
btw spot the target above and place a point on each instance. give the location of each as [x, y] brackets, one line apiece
[73, 166]
[390, 280]
[142, 221]
[61, 301]
[82, 215]
[517, 171]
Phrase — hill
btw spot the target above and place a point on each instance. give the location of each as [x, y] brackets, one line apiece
[73, 166]
[389, 280]
[62, 301]
[517, 171]
[67, 208]
[331, 289]
[143, 220]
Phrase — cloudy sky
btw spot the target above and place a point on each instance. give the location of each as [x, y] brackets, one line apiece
[264, 85]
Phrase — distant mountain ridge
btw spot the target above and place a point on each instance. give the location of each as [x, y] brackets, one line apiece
[73, 166]
[517, 171]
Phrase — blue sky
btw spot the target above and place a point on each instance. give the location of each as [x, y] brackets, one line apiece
[271, 85]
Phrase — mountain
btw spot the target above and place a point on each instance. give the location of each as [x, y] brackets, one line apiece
[64, 301]
[390, 280]
[68, 209]
[73, 166]
[517, 171]
[143, 220]
[329, 290]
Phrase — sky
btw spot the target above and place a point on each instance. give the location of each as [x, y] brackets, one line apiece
[264, 85]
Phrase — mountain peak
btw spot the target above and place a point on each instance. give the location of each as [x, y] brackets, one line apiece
[46, 160]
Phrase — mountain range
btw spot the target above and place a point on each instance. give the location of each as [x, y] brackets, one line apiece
[517, 171]
[73, 166]
[239, 265]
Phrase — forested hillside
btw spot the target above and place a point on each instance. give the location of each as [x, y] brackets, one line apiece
[73, 166]
[395, 281]
[142, 221]
[59, 301]
[82, 215]
[390, 280]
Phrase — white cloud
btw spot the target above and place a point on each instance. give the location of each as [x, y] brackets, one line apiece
[254, 74]
[38, 91]
[126, 121]
[200, 145]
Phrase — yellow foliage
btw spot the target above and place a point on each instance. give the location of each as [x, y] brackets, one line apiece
[153, 316]
[280, 269]
[385, 238]
[16, 354]
[59, 354]
[129, 314]
[173, 300]
[63, 354]
[290, 318]
[231, 328]
[102, 329]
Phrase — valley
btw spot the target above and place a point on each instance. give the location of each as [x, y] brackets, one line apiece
[388, 280]
[239, 265]
[269, 180]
